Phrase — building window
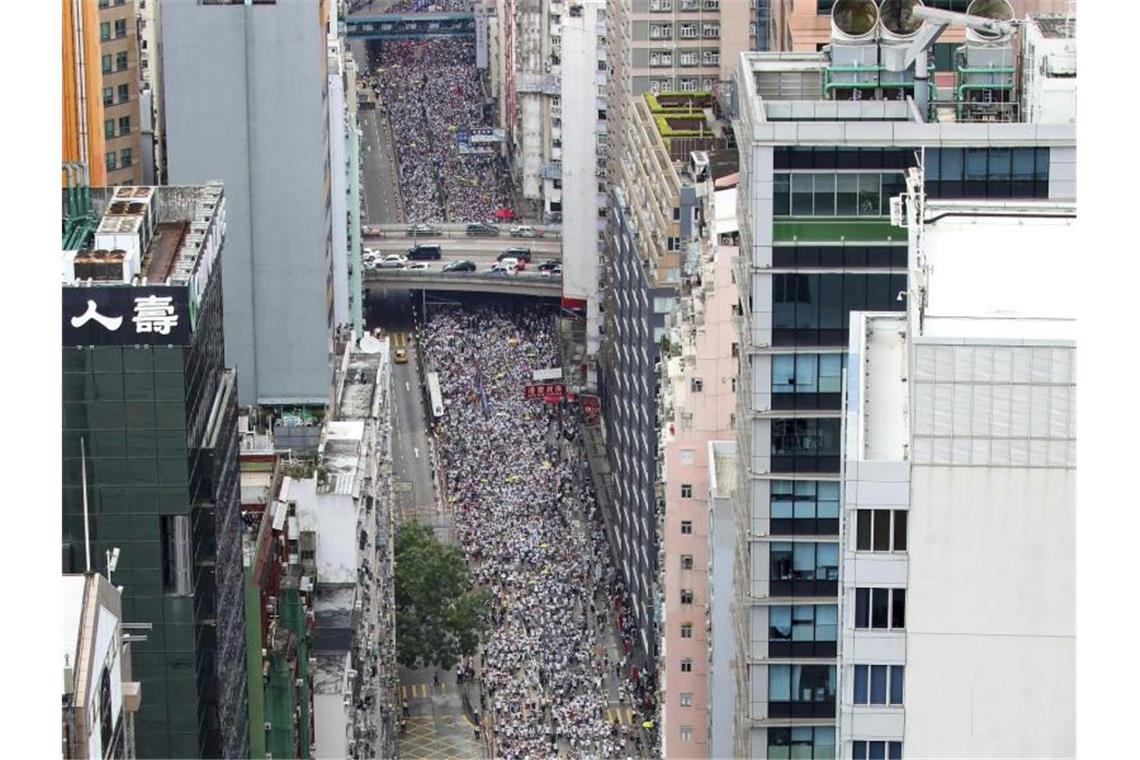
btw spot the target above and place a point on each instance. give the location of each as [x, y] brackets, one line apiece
[687, 456]
[710, 31]
[803, 630]
[686, 665]
[880, 530]
[104, 31]
[686, 490]
[844, 194]
[125, 157]
[882, 608]
[688, 31]
[804, 507]
[686, 527]
[863, 750]
[814, 309]
[689, 84]
[803, 568]
[686, 699]
[686, 630]
[124, 125]
[660, 59]
[660, 31]
[987, 172]
[120, 28]
[124, 93]
[696, 385]
[108, 96]
[109, 129]
[660, 5]
[109, 159]
[686, 733]
[711, 58]
[805, 445]
[801, 691]
[690, 57]
[878, 685]
[107, 63]
[121, 61]
[801, 742]
[686, 561]
[807, 374]
[686, 596]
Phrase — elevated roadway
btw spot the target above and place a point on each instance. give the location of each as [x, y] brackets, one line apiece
[408, 26]
[549, 234]
[523, 284]
[473, 248]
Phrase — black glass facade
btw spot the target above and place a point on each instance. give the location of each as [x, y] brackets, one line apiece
[987, 173]
[166, 494]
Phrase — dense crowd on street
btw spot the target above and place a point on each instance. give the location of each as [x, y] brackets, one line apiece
[530, 527]
[429, 90]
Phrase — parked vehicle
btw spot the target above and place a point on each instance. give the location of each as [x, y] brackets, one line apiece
[522, 254]
[459, 266]
[423, 230]
[549, 264]
[425, 252]
[392, 261]
[482, 228]
[526, 231]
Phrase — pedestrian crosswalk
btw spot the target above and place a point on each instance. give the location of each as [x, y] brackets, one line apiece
[410, 691]
[618, 715]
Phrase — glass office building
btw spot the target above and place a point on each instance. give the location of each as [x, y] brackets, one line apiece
[150, 417]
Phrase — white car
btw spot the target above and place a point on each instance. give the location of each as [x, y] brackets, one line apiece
[502, 267]
[417, 265]
[392, 261]
[523, 230]
[370, 255]
[552, 272]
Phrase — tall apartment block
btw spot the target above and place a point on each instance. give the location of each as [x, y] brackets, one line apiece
[83, 142]
[958, 604]
[697, 405]
[579, 178]
[654, 224]
[826, 139]
[100, 697]
[119, 64]
[247, 103]
[150, 454]
[152, 112]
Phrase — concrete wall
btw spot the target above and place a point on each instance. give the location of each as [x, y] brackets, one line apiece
[991, 602]
[244, 100]
[338, 175]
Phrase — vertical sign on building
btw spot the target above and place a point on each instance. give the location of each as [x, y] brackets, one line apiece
[481, 37]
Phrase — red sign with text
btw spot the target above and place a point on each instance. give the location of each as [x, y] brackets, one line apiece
[550, 392]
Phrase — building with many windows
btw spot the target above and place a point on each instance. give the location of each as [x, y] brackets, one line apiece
[82, 104]
[150, 454]
[247, 102]
[819, 170]
[958, 602]
[119, 64]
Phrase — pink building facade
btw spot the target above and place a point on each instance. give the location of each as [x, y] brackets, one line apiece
[698, 397]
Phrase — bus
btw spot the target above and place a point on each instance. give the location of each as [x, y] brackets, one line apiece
[434, 395]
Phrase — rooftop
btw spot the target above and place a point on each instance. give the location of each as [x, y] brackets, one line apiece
[999, 270]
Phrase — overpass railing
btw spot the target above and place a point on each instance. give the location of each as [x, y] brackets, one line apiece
[458, 231]
[428, 277]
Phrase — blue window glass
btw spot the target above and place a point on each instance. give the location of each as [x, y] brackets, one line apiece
[976, 164]
[878, 685]
[858, 750]
[933, 166]
[826, 622]
[779, 683]
[1023, 164]
[781, 194]
[860, 693]
[1000, 164]
[780, 623]
[802, 195]
[952, 164]
[896, 684]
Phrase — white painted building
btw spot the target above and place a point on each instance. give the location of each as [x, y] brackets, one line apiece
[958, 604]
[577, 182]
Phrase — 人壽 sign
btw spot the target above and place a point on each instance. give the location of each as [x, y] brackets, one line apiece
[126, 316]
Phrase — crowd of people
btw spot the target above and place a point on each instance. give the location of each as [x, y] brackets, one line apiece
[429, 90]
[530, 527]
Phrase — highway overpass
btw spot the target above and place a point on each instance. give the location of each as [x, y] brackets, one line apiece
[548, 234]
[409, 26]
[473, 248]
[525, 284]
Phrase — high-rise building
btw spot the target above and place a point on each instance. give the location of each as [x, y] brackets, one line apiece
[150, 454]
[957, 600]
[122, 119]
[246, 102]
[826, 139]
[152, 113]
[578, 180]
[99, 696]
[697, 405]
[651, 241]
[82, 98]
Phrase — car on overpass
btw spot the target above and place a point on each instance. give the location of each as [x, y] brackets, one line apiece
[462, 265]
[476, 229]
[522, 254]
[425, 252]
[526, 231]
[549, 264]
[392, 261]
[423, 230]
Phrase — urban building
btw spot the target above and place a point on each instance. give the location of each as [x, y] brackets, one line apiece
[119, 56]
[83, 142]
[722, 479]
[150, 453]
[958, 603]
[804, 26]
[152, 113]
[99, 696]
[820, 168]
[246, 95]
[344, 174]
[696, 405]
[579, 179]
[278, 584]
[654, 216]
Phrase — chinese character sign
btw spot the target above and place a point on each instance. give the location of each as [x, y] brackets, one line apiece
[121, 315]
[551, 392]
